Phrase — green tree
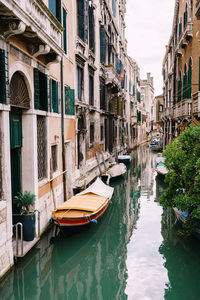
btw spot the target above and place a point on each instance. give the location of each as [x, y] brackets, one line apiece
[182, 158]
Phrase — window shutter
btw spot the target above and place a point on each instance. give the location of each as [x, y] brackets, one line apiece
[3, 98]
[72, 100]
[65, 30]
[81, 21]
[189, 85]
[36, 89]
[58, 10]
[91, 29]
[133, 90]
[179, 90]
[43, 89]
[102, 45]
[15, 131]
[54, 96]
[185, 86]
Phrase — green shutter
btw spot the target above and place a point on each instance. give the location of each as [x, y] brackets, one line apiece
[54, 96]
[179, 90]
[133, 90]
[43, 91]
[69, 101]
[189, 85]
[2, 77]
[36, 89]
[102, 45]
[72, 100]
[91, 29]
[86, 22]
[15, 131]
[65, 31]
[185, 86]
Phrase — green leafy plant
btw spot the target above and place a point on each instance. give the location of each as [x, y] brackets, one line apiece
[25, 201]
[182, 159]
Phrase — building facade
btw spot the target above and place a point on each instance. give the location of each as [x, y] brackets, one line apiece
[181, 70]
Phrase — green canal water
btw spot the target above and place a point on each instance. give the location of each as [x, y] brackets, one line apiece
[134, 251]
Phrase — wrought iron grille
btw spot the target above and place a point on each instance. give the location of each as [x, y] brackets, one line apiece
[19, 95]
[41, 147]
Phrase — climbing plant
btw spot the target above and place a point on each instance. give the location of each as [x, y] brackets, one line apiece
[182, 158]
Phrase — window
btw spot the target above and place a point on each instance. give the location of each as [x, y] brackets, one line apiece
[101, 132]
[114, 7]
[40, 90]
[91, 90]
[41, 147]
[80, 82]
[103, 44]
[82, 16]
[65, 31]
[69, 101]
[161, 108]
[91, 132]
[102, 95]
[54, 96]
[54, 158]
[55, 8]
[91, 29]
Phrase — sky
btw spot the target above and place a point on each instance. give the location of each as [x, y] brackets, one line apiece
[148, 29]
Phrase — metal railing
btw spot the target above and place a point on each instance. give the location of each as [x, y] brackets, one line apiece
[19, 234]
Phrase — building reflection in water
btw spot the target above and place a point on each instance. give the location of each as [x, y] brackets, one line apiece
[134, 251]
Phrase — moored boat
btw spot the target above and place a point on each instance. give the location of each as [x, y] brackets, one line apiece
[124, 159]
[116, 171]
[182, 216]
[85, 207]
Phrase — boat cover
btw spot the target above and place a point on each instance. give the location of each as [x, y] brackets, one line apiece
[99, 188]
[91, 199]
[88, 202]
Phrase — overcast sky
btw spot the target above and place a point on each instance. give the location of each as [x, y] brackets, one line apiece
[148, 29]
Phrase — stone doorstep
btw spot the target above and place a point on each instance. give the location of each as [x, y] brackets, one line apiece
[27, 246]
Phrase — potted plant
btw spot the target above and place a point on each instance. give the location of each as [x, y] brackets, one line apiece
[25, 201]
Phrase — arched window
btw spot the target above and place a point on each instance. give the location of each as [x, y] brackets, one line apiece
[19, 95]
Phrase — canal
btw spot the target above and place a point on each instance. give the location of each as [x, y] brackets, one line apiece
[134, 252]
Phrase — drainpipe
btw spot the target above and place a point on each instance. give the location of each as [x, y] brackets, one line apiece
[62, 128]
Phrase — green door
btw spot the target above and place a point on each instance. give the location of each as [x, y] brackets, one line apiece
[15, 144]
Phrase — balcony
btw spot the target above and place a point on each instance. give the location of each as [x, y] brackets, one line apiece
[198, 9]
[183, 109]
[112, 76]
[186, 35]
[196, 104]
[33, 24]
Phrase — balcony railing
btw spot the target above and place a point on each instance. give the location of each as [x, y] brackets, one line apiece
[111, 75]
[186, 35]
[196, 104]
[33, 20]
[183, 109]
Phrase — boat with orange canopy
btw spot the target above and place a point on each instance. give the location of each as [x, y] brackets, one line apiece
[85, 207]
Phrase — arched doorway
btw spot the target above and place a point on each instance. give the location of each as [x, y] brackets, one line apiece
[19, 100]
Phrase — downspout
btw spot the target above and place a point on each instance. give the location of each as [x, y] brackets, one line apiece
[62, 128]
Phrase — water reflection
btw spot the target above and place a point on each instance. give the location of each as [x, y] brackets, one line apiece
[133, 253]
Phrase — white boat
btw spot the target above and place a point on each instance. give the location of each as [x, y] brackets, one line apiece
[160, 165]
[124, 158]
[115, 171]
